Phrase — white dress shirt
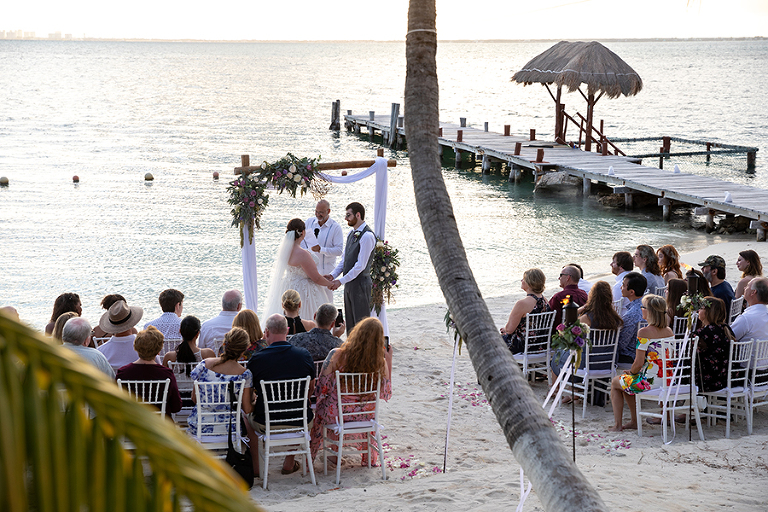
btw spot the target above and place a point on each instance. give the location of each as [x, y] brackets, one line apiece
[752, 324]
[215, 329]
[617, 292]
[330, 239]
[367, 243]
[168, 324]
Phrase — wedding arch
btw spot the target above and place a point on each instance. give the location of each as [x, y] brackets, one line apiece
[249, 197]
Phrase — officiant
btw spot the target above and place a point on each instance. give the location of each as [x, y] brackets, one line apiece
[325, 238]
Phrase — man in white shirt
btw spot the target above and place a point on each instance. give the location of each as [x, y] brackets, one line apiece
[325, 238]
[621, 265]
[213, 330]
[752, 324]
[172, 304]
[356, 267]
[76, 334]
[119, 322]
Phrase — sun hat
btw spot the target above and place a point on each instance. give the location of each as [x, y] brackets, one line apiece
[713, 261]
[120, 317]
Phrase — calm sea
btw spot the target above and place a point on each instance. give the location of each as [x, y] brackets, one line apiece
[111, 112]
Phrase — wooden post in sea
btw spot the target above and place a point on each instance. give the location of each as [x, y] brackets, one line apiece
[667, 145]
[506, 130]
[485, 126]
[486, 166]
[709, 148]
[463, 122]
[459, 135]
[760, 227]
[518, 147]
[392, 142]
[533, 134]
[751, 159]
[666, 207]
[586, 186]
[661, 157]
[335, 116]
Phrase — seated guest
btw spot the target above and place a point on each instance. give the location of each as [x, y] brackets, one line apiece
[750, 266]
[64, 302]
[224, 369]
[10, 312]
[148, 344]
[106, 303]
[752, 324]
[648, 265]
[569, 280]
[215, 328]
[583, 283]
[187, 351]
[534, 302]
[249, 320]
[319, 341]
[714, 346]
[364, 351]
[58, 327]
[676, 288]
[172, 304]
[669, 263]
[713, 269]
[119, 321]
[278, 361]
[291, 305]
[632, 288]
[75, 335]
[621, 265]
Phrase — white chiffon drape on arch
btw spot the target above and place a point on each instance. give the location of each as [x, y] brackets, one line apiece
[379, 168]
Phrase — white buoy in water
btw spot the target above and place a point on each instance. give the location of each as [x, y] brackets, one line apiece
[148, 177]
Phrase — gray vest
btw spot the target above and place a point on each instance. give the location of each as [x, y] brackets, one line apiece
[351, 252]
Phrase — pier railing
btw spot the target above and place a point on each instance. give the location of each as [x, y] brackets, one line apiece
[603, 143]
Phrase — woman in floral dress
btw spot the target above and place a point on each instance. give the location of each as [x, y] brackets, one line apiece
[647, 364]
[714, 346]
[364, 351]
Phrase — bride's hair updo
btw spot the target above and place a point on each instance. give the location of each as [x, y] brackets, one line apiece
[297, 226]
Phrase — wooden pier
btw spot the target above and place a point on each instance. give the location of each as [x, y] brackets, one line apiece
[626, 175]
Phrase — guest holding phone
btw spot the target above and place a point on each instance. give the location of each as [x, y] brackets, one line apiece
[319, 341]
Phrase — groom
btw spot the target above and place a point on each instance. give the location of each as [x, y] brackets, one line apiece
[356, 266]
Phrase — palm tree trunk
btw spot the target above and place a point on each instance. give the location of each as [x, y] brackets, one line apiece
[534, 442]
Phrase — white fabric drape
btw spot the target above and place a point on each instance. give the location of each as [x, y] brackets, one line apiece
[379, 168]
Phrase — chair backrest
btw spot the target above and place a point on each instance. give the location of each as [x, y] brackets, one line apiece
[759, 364]
[153, 392]
[318, 367]
[183, 381]
[603, 351]
[618, 304]
[642, 323]
[679, 326]
[358, 396]
[661, 291]
[217, 344]
[738, 363]
[99, 341]
[213, 407]
[736, 307]
[676, 362]
[285, 403]
[169, 345]
[538, 331]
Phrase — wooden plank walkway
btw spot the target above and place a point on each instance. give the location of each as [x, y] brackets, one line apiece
[628, 173]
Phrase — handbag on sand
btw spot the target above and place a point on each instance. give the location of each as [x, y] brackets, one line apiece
[240, 462]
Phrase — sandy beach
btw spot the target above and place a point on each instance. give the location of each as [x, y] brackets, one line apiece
[630, 472]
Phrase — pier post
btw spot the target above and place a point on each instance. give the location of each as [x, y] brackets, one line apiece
[506, 130]
[709, 148]
[661, 158]
[335, 116]
[459, 135]
[667, 145]
[486, 166]
[666, 207]
[586, 186]
[457, 155]
[539, 155]
[440, 132]
[760, 227]
[371, 115]
[517, 172]
[627, 200]
[485, 126]
[463, 122]
[392, 142]
[710, 221]
[751, 159]
[533, 134]
[518, 147]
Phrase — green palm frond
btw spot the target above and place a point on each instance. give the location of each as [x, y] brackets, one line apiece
[62, 423]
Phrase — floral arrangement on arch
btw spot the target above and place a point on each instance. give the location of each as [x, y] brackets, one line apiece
[248, 193]
[572, 337]
[383, 273]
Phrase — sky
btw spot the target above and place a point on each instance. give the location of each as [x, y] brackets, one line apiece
[383, 21]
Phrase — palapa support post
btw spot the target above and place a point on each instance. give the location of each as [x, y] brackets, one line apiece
[463, 122]
[335, 116]
[393, 125]
[603, 145]
[518, 148]
[507, 129]
[590, 112]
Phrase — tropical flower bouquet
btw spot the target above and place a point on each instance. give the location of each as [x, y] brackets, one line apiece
[573, 337]
[383, 273]
[692, 304]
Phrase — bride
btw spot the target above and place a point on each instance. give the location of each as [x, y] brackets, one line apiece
[296, 269]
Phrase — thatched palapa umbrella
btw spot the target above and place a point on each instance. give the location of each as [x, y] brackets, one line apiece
[572, 64]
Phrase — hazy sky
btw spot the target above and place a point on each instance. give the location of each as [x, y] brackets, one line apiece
[359, 19]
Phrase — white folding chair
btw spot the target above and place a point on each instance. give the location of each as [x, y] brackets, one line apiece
[537, 351]
[598, 364]
[358, 397]
[672, 394]
[661, 291]
[99, 341]
[152, 392]
[169, 345]
[185, 384]
[285, 403]
[739, 357]
[679, 326]
[213, 415]
[217, 344]
[736, 307]
[618, 305]
[758, 381]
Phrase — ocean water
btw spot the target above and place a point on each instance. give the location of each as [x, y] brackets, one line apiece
[109, 112]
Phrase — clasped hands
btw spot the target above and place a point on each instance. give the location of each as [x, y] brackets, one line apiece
[334, 282]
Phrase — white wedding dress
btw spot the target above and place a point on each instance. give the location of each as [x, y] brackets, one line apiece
[290, 277]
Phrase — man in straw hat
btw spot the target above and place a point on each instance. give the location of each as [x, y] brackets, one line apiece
[118, 321]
